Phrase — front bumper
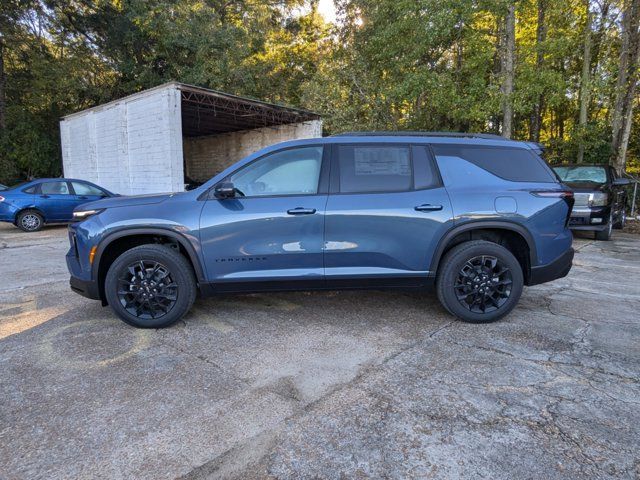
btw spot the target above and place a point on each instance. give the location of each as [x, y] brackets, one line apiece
[86, 288]
[589, 218]
[552, 271]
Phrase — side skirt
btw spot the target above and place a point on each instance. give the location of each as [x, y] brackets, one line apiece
[405, 283]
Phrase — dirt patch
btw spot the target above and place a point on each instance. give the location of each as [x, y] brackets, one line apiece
[632, 226]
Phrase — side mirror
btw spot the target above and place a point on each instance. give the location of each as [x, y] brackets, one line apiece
[621, 181]
[225, 190]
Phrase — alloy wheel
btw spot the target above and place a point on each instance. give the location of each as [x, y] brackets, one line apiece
[147, 290]
[30, 221]
[483, 284]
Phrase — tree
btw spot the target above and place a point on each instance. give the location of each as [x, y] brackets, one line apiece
[508, 69]
[541, 36]
[585, 81]
[625, 94]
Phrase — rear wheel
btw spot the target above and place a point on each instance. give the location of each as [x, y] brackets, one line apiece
[479, 281]
[29, 221]
[151, 286]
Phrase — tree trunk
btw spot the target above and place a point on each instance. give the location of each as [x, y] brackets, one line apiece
[541, 37]
[585, 84]
[626, 84]
[3, 86]
[508, 64]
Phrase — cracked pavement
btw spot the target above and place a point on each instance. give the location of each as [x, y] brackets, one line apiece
[321, 385]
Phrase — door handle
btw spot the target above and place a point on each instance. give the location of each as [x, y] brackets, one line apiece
[301, 211]
[428, 208]
[83, 198]
[44, 196]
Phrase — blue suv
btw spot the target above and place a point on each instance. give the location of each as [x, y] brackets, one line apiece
[476, 216]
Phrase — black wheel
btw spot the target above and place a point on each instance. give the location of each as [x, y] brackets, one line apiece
[605, 234]
[622, 219]
[151, 286]
[29, 221]
[479, 281]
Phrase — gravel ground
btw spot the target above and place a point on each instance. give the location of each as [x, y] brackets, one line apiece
[321, 385]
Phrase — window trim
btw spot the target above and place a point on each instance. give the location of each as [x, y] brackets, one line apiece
[334, 188]
[323, 178]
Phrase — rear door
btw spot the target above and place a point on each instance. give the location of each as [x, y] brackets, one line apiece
[386, 211]
[55, 200]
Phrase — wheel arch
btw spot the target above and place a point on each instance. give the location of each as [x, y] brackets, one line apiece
[118, 242]
[30, 207]
[517, 238]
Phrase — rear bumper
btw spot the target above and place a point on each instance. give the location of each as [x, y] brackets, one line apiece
[552, 271]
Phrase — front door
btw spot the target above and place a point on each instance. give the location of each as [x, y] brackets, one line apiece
[385, 214]
[55, 200]
[85, 193]
[270, 233]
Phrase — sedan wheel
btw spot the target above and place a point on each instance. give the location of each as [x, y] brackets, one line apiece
[30, 221]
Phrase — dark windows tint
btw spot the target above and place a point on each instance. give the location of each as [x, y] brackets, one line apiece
[514, 164]
[424, 170]
[374, 168]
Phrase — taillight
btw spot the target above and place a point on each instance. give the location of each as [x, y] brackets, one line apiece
[1, 198]
[553, 193]
[566, 195]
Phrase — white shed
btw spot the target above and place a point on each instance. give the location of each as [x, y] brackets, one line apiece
[154, 140]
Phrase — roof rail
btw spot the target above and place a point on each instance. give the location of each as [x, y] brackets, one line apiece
[488, 136]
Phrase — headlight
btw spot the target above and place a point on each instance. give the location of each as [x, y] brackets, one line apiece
[598, 199]
[84, 214]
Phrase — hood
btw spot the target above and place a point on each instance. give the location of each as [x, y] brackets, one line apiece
[127, 201]
[586, 186]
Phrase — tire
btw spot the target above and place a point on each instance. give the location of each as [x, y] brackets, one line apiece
[29, 221]
[150, 286]
[483, 303]
[622, 219]
[605, 234]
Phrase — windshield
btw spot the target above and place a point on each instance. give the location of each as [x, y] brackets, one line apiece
[592, 174]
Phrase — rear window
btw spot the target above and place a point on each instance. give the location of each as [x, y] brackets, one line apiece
[374, 168]
[513, 164]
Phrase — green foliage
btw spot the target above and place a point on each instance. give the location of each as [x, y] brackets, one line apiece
[387, 64]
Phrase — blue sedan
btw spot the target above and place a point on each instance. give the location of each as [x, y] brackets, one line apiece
[47, 200]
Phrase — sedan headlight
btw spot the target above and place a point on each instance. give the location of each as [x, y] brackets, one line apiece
[84, 214]
[598, 199]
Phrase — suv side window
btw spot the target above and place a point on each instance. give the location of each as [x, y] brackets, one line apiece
[374, 168]
[54, 188]
[513, 164]
[295, 171]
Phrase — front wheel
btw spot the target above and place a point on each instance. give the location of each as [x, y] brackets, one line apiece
[622, 219]
[151, 286]
[605, 234]
[479, 281]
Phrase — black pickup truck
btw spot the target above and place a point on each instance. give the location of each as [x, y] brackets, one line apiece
[600, 198]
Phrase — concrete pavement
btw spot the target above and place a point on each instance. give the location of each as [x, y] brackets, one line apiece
[320, 385]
